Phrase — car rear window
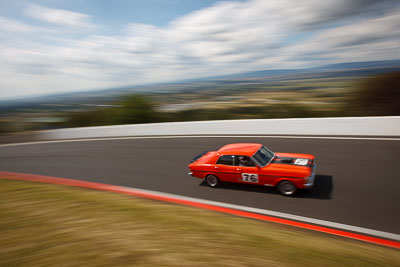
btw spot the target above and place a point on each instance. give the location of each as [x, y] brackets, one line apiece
[199, 156]
[226, 160]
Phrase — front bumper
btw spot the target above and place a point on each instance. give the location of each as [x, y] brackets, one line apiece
[311, 179]
[190, 173]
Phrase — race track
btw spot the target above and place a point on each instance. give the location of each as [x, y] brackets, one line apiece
[357, 181]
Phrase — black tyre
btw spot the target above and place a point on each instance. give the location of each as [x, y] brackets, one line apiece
[287, 188]
[212, 181]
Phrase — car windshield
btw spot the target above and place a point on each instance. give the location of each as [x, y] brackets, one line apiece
[263, 156]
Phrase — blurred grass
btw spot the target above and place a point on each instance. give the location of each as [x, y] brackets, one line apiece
[50, 225]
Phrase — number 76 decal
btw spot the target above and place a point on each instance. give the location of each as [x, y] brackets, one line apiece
[250, 177]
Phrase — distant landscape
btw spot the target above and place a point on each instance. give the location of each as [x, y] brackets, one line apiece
[348, 89]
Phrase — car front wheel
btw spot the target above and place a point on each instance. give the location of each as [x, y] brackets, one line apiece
[287, 188]
[212, 181]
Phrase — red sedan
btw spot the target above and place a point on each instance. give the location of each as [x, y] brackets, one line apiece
[250, 163]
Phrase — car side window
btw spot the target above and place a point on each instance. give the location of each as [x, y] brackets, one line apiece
[226, 160]
[245, 161]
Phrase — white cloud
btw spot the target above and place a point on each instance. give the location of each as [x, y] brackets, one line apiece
[10, 25]
[369, 39]
[226, 38]
[59, 16]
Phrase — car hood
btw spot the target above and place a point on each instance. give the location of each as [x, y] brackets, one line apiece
[293, 159]
[290, 164]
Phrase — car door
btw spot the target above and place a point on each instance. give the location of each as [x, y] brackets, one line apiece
[225, 168]
[267, 176]
[248, 173]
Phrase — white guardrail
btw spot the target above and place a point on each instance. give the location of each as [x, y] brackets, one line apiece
[352, 126]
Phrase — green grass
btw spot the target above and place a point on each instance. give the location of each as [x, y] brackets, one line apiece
[50, 225]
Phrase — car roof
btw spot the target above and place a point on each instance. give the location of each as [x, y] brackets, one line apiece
[246, 149]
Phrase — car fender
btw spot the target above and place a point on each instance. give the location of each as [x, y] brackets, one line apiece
[202, 174]
[208, 173]
[298, 181]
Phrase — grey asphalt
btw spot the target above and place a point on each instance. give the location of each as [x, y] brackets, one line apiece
[357, 181]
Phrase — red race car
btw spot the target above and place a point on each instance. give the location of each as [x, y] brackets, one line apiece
[255, 164]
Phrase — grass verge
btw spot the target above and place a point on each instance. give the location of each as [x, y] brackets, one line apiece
[51, 225]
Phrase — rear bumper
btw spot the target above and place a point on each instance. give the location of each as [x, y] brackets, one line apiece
[311, 180]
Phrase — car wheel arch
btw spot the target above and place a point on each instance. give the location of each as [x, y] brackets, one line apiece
[210, 173]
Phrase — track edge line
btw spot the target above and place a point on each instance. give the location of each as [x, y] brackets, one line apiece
[187, 201]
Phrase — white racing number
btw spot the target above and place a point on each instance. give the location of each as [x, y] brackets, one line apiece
[250, 177]
[302, 162]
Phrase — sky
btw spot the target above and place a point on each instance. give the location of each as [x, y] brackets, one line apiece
[58, 46]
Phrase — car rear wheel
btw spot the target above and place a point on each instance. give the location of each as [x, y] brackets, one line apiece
[212, 181]
[287, 188]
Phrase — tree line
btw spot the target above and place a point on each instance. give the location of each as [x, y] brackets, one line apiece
[373, 96]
